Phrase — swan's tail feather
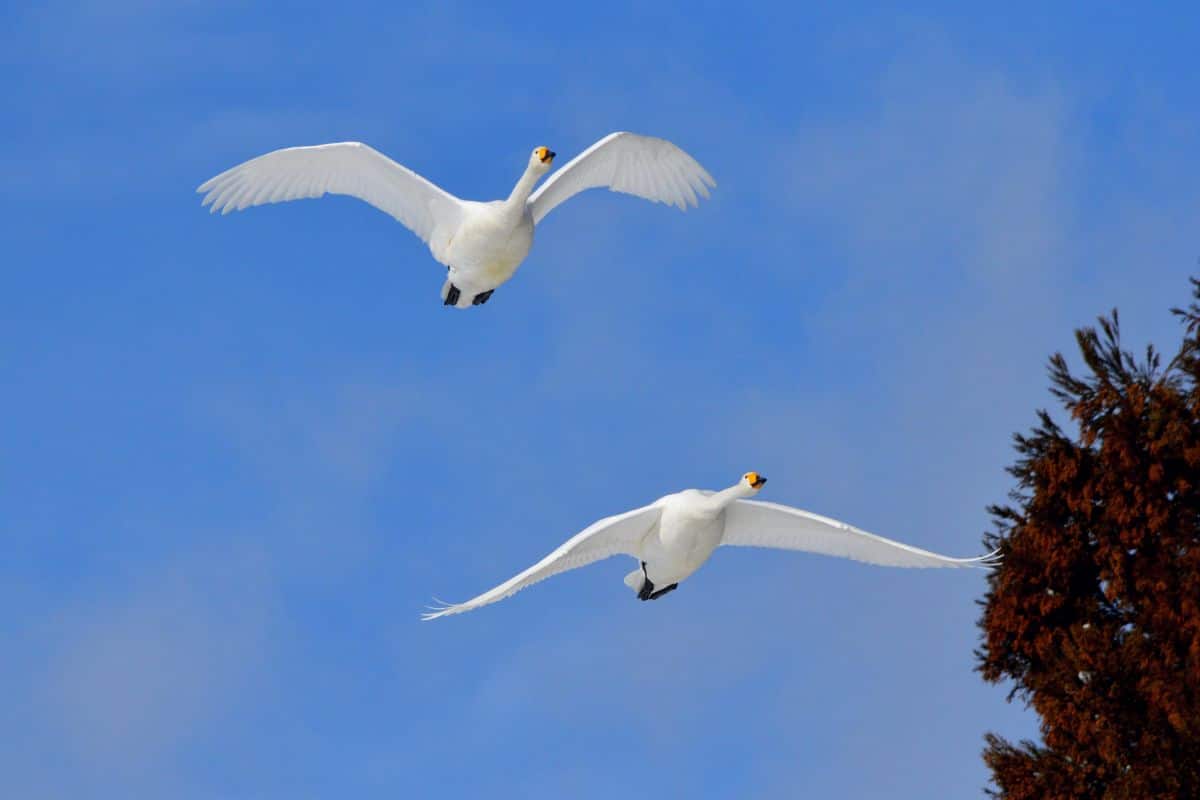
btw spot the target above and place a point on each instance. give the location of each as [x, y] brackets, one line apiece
[636, 579]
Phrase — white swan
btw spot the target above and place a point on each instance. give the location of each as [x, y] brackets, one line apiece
[673, 536]
[481, 244]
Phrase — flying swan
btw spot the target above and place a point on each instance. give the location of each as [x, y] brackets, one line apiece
[673, 536]
[481, 244]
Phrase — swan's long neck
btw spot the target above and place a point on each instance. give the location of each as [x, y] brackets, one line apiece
[724, 497]
[520, 193]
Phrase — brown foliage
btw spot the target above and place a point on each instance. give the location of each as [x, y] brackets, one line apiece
[1094, 614]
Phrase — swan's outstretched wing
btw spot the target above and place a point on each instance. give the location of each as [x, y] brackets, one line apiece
[753, 523]
[612, 535]
[350, 168]
[626, 162]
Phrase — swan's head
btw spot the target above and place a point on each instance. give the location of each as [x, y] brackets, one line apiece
[541, 159]
[753, 480]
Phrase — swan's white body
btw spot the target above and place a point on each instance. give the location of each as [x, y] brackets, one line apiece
[491, 242]
[481, 244]
[690, 527]
[673, 537]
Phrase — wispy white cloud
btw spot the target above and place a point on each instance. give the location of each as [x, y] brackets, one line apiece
[131, 674]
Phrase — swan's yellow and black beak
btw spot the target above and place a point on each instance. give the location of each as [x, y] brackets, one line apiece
[546, 155]
[755, 480]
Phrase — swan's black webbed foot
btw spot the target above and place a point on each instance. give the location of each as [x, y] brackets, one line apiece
[482, 297]
[648, 592]
[664, 590]
[451, 296]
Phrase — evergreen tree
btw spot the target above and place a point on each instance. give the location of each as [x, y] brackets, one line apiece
[1094, 615]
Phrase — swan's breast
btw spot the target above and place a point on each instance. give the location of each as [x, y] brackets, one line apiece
[688, 533]
[488, 246]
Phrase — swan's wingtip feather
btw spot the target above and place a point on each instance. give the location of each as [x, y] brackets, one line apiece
[989, 561]
[441, 612]
[440, 609]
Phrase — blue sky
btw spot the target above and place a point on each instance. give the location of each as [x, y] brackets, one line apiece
[240, 454]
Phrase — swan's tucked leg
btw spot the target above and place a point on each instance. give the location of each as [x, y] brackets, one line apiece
[635, 579]
[450, 294]
[482, 297]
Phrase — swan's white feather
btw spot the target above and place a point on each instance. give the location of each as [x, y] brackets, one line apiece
[349, 168]
[610, 536]
[644, 166]
[754, 523]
